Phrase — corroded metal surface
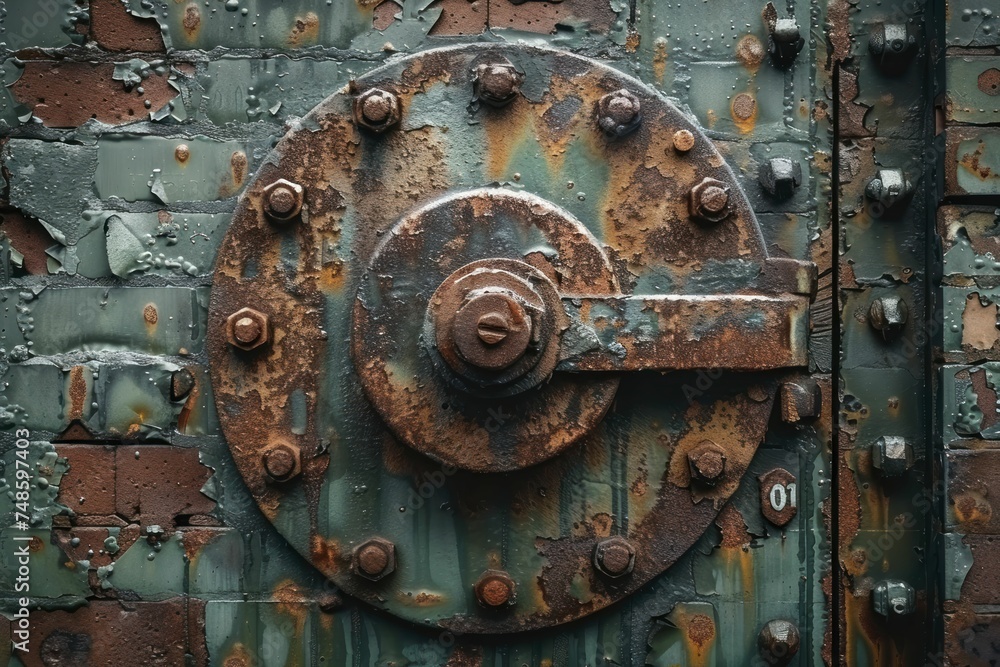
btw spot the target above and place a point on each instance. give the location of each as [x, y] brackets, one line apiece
[465, 309]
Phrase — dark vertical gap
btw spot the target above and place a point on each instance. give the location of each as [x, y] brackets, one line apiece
[935, 37]
[835, 585]
[631, 13]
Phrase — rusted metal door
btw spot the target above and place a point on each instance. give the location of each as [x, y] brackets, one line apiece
[498, 332]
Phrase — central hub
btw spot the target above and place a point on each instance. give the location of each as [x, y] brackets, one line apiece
[492, 321]
[492, 330]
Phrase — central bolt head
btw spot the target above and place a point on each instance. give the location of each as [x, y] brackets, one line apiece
[493, 328]
[246, 330]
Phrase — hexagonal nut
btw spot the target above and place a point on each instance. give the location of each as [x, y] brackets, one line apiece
[282, 461]
[779, 177]
[888, 315]
[710, 201]
[377, 110]
[707, 462]
[614, 557]
[889, 192]
[374, 559]
[283, 200]
[893, 597]
[498, 83]
[778, 642]
[248, 329]
[892, 455]
[495, 589]
[618, 113]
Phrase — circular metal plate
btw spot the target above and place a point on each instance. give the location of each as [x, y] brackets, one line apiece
[349, 496]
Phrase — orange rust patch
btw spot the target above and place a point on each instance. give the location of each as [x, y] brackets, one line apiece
[182, 153]
[77, 392]
[149, 314]
[659, 58]
[972, 507]
[238, 168]
[750, 52]
[192, 21]
[971, 163]
[305, 31]
[701, 629]
[744, 112]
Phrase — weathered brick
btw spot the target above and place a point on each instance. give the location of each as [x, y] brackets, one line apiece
[161, 484]
[68, 94]
[108, 632]
[88, 488]
[116, 29]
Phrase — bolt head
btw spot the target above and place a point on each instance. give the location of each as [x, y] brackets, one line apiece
[495, 589]
[497, 84]
[780, 176]
[889, 192]
[710, 201]
[683, 141]
[618, 113]
[888, 315]
[614, 557]
[247, 329]
[778, 642]
[892, 455]
[283, 200]
[377, 110]
[282, 461]
[707, 462]
[492, 329]
[893, 597]
[374, 559]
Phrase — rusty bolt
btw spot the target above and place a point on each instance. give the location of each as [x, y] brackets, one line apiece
[710, 200]
[614, 557]
[893, 597]
[683, 141]
[784, 42]
[989, 81]
[892, 455]
[283, 200]
[891, 46]
[888, 315]
[707, 462]
[497, 84]
[377, 110]
[618, 113]
[779, 177]
[492, 330]
[282, 461]
[374, 559]
[778, 642]
[247, 329]
[800, 400]
[890, 191]
[495, 589]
